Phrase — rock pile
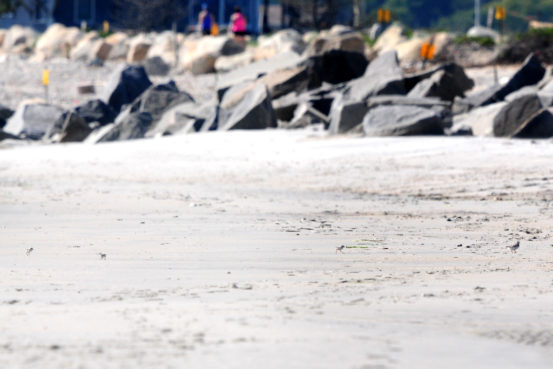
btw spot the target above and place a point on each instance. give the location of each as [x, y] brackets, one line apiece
[285, 83]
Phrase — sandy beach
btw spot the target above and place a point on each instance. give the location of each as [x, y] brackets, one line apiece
[221, 253]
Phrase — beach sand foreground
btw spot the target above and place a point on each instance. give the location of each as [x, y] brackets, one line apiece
[221, 253]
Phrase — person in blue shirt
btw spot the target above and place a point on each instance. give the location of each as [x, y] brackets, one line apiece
[205, 20]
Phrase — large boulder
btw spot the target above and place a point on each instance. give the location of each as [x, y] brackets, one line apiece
[225, 64]
[133, 126]
[156, 66]
[33, 120]
[530, 73]
[184, 118]
[19, 39]
[382, 77]
[284, 81]
[346, 115]
[96, 111]
[254, 70]
[199, 56]
[164, 46]
[401, 120]
[119, 43]
[441, 84]
[158, 99]
[91, 47]
[138, 48]
[287, 40]
[539, 125]
[480, 120]
[347, 41]
[462, 82]
[515, 114]
[125, 85]
[389, 39]
[58, 40]
[74, 128]
[335, 66]
[253, 112]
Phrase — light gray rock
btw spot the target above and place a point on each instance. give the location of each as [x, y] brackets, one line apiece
[401, 120]
[481, 119]
[346, 115]
[156, 66]
[33, 121]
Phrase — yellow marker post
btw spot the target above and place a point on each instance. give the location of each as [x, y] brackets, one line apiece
[106, 27]
[386, 16]
[46, 82]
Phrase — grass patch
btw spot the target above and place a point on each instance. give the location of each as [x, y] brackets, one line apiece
[482, 41]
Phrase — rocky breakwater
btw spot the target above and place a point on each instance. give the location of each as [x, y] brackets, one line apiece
[289, 83]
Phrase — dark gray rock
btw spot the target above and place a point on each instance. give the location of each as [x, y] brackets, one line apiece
[96, 111]
[460, 80]
[530, 73]
[156, 66]
[253, 112]
[441, 84]
[335, 66]
[346, 115]
[382, 77]
[401, 120]
[125, 85]
[514, 115]
[160, 98]
[74, 128]
[33, 121]
[5, 114]
[133, 126]
[283, 81]
[7, 136]
[539, 125]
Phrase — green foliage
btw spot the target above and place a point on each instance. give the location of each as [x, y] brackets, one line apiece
[369, 41]
[104, 34]
[482, 41]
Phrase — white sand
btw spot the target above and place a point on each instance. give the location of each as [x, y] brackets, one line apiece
[221, 253]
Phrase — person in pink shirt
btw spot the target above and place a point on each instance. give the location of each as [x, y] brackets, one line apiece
[238, 24]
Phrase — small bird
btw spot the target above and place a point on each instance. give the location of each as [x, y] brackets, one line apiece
[102, 256]
[514, 247]
[340, 248]
[28, 251]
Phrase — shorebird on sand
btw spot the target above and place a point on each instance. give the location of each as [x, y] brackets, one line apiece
[28, 251]
[514, 247]
[102, 255]
[340, 248]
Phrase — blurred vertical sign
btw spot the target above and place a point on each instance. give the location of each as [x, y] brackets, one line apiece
[427, 51]
[500, 13]
[106, 27]
[383, 16]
